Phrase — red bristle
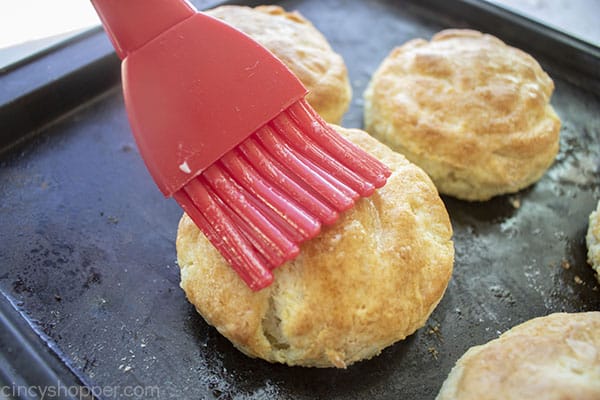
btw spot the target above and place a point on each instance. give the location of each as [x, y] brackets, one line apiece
[223, 234]
[340, 148]
[303, 145]
[299, 223]
[262, 246]
[278, 148]
[347, 191]
[266, 250]
[278, 176]
[231, 195]
[285, 229]
[192, 210]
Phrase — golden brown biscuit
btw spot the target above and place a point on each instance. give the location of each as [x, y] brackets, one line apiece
[296, 42]
[552, 357]
[369, 280]
[473, 112]
[593, 241]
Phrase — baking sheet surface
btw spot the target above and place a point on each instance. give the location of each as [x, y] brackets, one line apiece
[87, 247]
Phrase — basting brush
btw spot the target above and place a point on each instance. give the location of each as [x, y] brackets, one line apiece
[224, 129]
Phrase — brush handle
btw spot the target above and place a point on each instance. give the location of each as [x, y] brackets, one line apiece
[132, 23]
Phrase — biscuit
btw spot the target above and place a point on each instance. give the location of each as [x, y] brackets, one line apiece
[473, 112]
[593, 241]
[552, 357]
[300, 46]
[365, 282]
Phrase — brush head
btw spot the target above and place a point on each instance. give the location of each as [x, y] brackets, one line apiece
[222, 126]
[196, 91]
[276, 189]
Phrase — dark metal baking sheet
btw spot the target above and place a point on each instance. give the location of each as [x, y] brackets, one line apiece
[87, 248]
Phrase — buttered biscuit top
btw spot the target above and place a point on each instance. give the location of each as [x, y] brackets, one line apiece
[474, 113]
[367, 281]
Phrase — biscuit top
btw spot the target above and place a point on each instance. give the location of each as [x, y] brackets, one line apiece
[593, 240]
[465, 98]
[299, 45]
[464, 81]
[365, 282]
[552, 357]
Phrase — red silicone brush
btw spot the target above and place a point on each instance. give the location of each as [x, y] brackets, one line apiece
[223, 127]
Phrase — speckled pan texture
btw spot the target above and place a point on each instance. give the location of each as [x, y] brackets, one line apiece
[87, 242]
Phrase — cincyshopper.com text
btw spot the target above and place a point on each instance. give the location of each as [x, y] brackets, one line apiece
[81, 392]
